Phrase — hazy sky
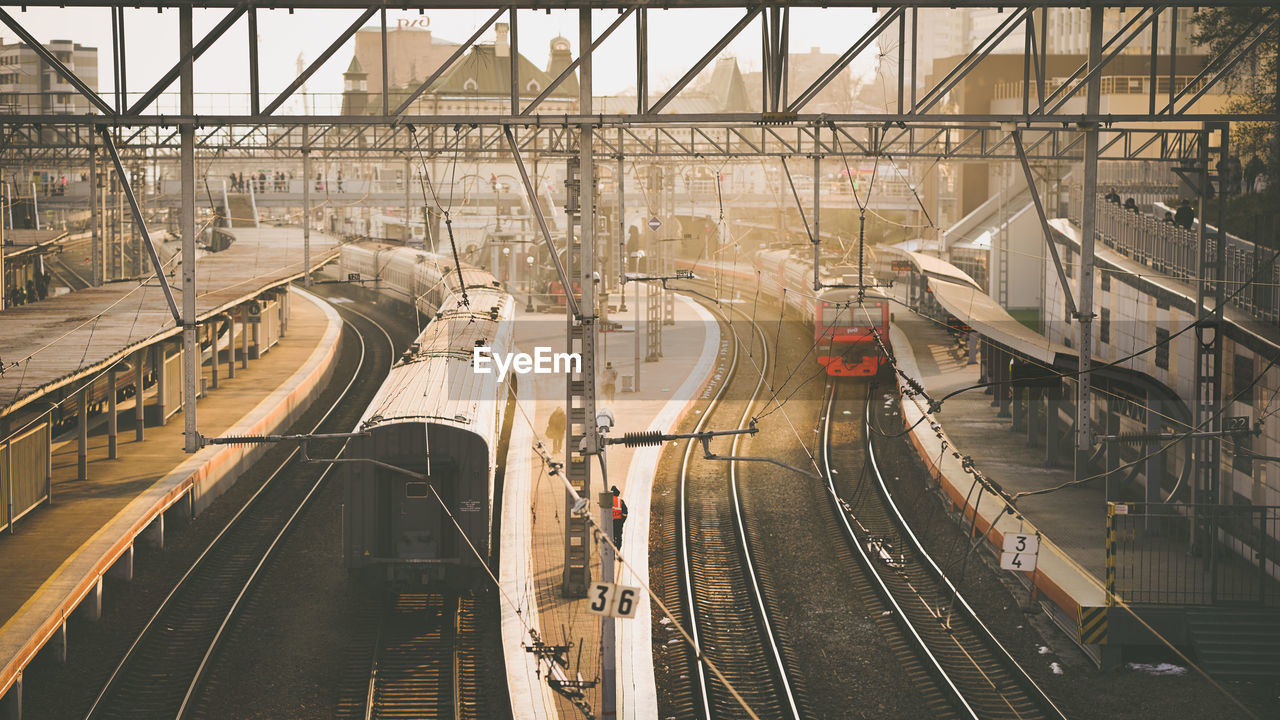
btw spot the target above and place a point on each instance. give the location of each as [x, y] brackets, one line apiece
[677, 39]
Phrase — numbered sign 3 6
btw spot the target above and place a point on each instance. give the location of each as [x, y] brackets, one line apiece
[613, 600]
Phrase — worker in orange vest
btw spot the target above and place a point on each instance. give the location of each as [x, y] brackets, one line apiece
[619, 515]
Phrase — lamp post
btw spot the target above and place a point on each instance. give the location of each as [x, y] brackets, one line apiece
[528, 283]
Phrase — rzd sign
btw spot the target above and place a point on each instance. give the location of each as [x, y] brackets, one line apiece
[407, 23]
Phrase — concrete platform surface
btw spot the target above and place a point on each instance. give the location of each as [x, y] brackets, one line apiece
[533, 520]
[1071, 522]
[57, 340]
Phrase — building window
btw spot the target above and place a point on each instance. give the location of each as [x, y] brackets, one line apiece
[1242, 380]
[1162, 348]
[1106, 279]
[1240, 459]
[1104, 326]
[1066, 263]
[1162, 302]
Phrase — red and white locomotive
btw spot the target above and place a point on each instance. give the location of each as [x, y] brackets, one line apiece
[844, 328]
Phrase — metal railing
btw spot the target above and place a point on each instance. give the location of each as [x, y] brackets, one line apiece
[1111, 85]
[1174, 251]
[1182, 554]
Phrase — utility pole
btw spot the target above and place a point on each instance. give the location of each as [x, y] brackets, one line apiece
[306, 206]
[95, 234]
[1088, 222]
[580, 395]
[1207, 448]
[190, 348]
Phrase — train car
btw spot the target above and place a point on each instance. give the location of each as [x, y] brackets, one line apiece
[845, 329]
[414, 277]
[419, 506]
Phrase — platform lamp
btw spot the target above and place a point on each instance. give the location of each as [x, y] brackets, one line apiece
[528, 284]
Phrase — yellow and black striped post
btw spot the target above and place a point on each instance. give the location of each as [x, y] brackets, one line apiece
[1091, 625]
[1111, 554]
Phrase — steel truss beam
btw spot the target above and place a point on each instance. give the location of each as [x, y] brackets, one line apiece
[932, 141]
[541, 5]
[913, 103]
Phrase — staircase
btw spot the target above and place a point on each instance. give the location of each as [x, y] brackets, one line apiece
[241, 210]
[1237, 643]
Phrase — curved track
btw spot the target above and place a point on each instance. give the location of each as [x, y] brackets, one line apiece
[161, 673]
[724, 602]
[969, 674]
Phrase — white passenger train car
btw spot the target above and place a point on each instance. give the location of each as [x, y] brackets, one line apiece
[421, 511]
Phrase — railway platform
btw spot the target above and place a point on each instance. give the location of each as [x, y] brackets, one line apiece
[533, 509]
[1071, 564]
[107, 481]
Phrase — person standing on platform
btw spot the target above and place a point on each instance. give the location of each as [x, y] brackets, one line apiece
[609, 382]
[619, 516]
[1185, 215]
[555, 429]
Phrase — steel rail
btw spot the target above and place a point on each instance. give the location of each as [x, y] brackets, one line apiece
[922, 647]
[987, 637]
[742, 525]
[129, 655]
[777, 665]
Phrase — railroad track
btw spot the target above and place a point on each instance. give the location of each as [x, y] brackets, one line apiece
[426, 661]
[723, 603]
[962, 669]
[162, 672]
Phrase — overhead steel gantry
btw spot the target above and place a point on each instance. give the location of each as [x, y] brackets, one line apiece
[785, 118]
[1057, 115]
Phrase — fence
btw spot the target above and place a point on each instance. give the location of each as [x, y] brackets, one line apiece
[1183, 554]
[25, 475]
[1174, 251]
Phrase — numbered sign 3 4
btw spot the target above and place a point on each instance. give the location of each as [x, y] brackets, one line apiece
[1020, 552]
[613, 600]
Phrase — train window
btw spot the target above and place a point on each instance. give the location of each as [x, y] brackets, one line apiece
[416, 490]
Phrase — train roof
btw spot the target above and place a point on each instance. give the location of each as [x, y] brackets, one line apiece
[441, 265]
[434, 381]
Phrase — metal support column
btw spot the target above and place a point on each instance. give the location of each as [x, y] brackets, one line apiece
[162, 383]
[1084, 427]
[113, 418]
[245, 327]
[82, 435]
[1207, 449]
[213, 349]
[621, 265]
[408, 202]
[817, 212]
[1155, 464]
[231, 345]
[1034, 395]
[190, 348]
[95, 232]
[1004, 391]
[580, 393]
[306, 207]
[139, 383]
[1052, 405]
